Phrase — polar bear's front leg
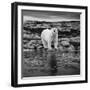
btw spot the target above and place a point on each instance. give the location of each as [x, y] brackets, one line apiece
[49, 45]
[56, 44]
[56, 41]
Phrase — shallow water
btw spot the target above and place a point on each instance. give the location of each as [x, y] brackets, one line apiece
[50, 63]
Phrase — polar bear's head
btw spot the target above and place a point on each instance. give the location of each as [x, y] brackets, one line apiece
[54, 31]
[54, 34]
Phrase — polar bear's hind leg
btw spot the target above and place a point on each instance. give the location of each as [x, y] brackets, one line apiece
[44, 43]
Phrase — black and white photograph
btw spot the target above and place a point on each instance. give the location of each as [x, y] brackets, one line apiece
[49, 44]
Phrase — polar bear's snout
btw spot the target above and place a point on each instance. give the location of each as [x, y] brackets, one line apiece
[48, 36]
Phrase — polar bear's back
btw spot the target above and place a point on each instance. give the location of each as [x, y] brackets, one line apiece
[46, 34]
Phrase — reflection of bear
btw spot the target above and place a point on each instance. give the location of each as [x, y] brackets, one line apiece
[48, 36]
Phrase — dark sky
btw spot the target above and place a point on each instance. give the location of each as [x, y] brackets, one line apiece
[50, 15]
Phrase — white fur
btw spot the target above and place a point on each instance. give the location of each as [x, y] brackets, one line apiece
[48, 36]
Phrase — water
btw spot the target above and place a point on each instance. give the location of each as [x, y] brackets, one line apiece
[50, 63]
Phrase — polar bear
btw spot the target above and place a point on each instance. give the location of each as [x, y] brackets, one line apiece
[48, 36]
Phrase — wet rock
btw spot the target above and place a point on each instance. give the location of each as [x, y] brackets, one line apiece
[69, 48]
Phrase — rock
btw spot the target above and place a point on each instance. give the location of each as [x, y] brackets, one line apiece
[31, 42]
[26, 50]
[26, 35]
[65, 43]
[71, 48]
[39, 41]
[31, 35]
[61, 48]
[36, 36]
[32, 47]
[39, 47]
[65, 39]
[75, 39]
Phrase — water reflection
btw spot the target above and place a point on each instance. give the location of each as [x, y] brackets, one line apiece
[51, 57]
[49, 63]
